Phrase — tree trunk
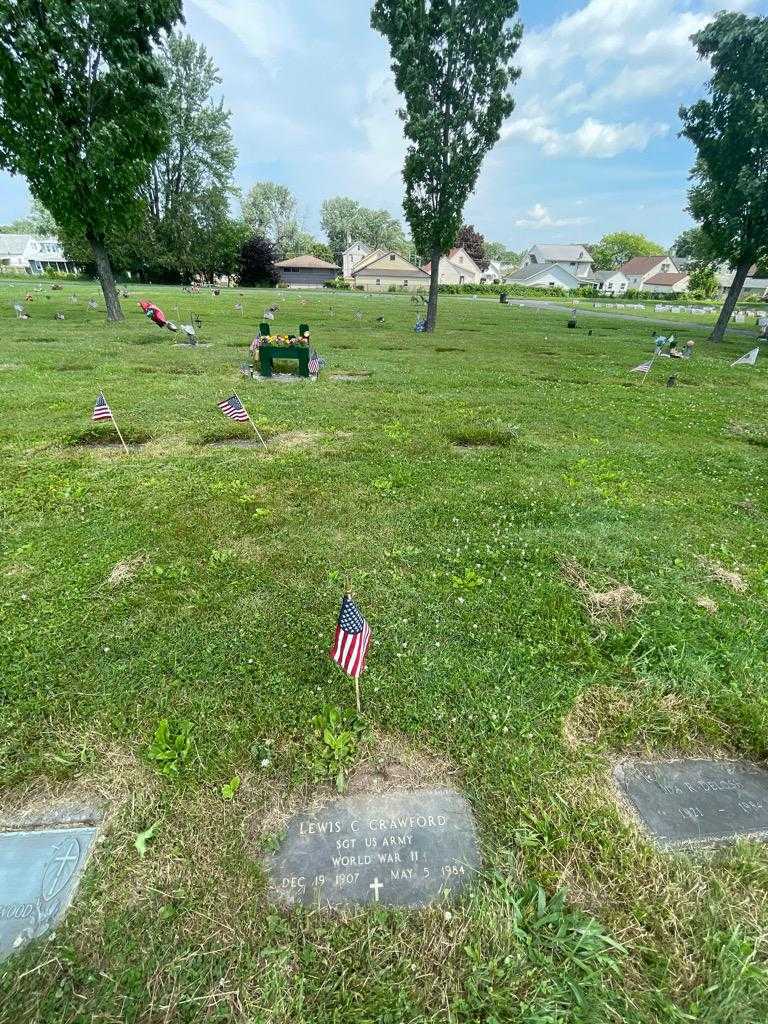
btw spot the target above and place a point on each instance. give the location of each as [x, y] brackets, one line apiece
[433, 283]
[106, 277]
[742, 271]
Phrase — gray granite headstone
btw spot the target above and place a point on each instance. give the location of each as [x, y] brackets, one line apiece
[40, 870]
[697, 801]
[404, 849]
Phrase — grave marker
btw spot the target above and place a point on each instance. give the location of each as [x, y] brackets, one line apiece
[697, 801]
[41, 864]
[401, 849]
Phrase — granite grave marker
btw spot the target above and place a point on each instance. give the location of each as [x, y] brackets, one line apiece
[697, 801]
[404, 849]
[41, 863]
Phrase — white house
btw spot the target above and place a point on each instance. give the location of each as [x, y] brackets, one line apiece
[640, 269]
[756, 287]
[493, 274]
[667, 283]
[457, 267]
[547, 275]
[33, 254]
[573, 258]
[352, 256]
[612, 282]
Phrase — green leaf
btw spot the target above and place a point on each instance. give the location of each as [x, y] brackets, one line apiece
[144, 838]
[229, 789]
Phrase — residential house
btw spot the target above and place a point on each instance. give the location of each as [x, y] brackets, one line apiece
[573, 258]
[640, 269]
[352, 256]
[306, 271]
[754, 287]
[457, 267]
[493, 274]
[547, 275]
[667, 283]
[383, 269]
[33, 254]
[612, 282]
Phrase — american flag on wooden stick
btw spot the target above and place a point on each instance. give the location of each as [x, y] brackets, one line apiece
[101, 410]
[234, 408]
[314, 364]
[642, 368]
[353, 637]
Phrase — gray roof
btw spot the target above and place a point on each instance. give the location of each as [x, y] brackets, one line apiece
[14, 245]
[563, 253]
[533, 270]
[603, 275]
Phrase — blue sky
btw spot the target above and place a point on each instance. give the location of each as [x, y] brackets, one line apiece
[592, 146]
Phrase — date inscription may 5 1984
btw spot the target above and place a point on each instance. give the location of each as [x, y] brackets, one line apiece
[399, 849]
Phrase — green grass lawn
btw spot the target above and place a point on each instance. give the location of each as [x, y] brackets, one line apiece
[462, 487]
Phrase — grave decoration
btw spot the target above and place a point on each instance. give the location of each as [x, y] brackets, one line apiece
[41, 862]
[401, 849]
[697, 801]
[266, 347]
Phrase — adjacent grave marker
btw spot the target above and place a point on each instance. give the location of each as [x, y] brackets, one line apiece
[403, 849]
[41, 865]
[697, 801]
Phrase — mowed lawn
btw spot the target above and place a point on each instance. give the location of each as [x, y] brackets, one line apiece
[478, 489]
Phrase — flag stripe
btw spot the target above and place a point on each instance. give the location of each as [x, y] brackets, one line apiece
[351, 640]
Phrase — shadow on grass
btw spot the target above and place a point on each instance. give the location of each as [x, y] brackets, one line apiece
[483, 437]
[107, 437]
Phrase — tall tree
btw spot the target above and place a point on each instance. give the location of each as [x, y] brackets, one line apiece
[198, 158]
[345, 221]
[452, 61]
[257, 263]
[270, 211]
[81, 109]
[694, 245]
[729, 197]
[617, 248]
[473, 243]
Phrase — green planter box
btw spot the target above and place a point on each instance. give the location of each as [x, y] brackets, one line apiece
[268, 353]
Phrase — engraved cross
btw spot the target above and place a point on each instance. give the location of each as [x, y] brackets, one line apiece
[376, 885]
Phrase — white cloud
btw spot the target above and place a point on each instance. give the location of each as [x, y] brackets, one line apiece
[378, 161]
[540, 217]
[592, 138]
[266, 32]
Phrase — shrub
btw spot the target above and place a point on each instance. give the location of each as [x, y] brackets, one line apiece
[338, 284]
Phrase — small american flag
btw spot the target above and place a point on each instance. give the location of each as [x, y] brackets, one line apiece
[234, 408]
[353, 637]
[101, 410]
[314, 364]
[642, 368]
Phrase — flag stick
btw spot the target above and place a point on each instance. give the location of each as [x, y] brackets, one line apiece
[357, 695]
[650, 367]
[114, 423]
[249, 419]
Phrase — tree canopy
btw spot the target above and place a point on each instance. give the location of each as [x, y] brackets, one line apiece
[345, 221]
[474, 245]
[617, 248]
[270, 210]
[257, 263]
[729, 195]
[452, 61]
[82, 113]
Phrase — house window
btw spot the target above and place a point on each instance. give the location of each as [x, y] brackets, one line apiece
[392, 256]
[405, 283]
[461, 279]
[378, 280]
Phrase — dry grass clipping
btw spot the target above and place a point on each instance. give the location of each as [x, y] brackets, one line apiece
[707, 604]
[720, 574]
[125, 571]
[606, 606]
